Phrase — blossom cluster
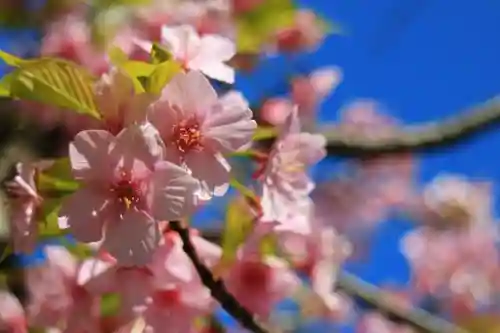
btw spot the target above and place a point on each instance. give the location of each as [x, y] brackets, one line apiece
[149, 159]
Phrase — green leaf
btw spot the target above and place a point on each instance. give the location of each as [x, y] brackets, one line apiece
[110, 304]
[238, 224]
[5, 84]
[163, 73]
[48, 216]
[57, 180]
[245, 191]
[255, 28]
[53, 81]
[264, 133]
[160, 54]
[11, 59]
[117, 56]
[7, 251]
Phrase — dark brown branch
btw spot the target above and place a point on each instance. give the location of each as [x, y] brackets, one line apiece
[424, 138]
[216, 286]
[414, 317]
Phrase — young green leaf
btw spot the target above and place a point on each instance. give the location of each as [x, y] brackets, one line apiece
[57, 82]
[159, 54]
[238, 224]
[162, 74]
[264, 133]
[57, 180]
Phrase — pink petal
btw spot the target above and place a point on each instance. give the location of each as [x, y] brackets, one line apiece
[96, 276]
[174, 192]
[325, 80]
[172, 264]
[212, 53]
[229, 126]
[211, 170]
[216, 48]
[183, 41]
[292, 124]
[218, 71]
[133, 239]
[62, 259]
[24, 228]
[138, 148]
[191, 92]
[84, 213]
[88, 154]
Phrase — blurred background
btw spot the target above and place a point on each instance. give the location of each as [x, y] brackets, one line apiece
[419, 60]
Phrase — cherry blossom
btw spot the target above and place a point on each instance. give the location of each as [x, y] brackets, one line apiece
[126, 190]
[453, 201]
[305, 34]
[285, 180]
[203, 53]
[118, 104]
[55, 296]
[12, 316]
[198, 128]
[69, 38]
[258, 280]
[458, 265]
[307, 93]
[24, 204]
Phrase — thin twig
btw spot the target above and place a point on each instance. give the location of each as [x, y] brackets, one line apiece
[414, 317]
[216, 286]
[423, 138]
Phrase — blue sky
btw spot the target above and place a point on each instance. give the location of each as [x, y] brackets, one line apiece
[424, 60]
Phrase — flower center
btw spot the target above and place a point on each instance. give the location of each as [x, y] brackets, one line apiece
[126, 190]
[167, 298]
[187, 136]
[255, 275]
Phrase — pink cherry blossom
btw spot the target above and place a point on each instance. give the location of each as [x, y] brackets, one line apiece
[56, 299]
[285, 179]
[259, 281]
[69, 38]
[202, 53]
[198, 128]
[126, 190]
[118, 104]
[453, 201]
[382, 184]
[12, 317]
[305, 34]
[458, 265]
[24, 204]
[309, 91]
[317, 250]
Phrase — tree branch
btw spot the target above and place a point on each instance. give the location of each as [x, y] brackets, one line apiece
[423, 138]
[216, 286]
[414, 317]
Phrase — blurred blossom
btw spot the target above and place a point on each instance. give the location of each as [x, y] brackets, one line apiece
[452, 201]
[458, 266]
[55, 296]
[305, 34]
[381, 184]
[307, 93]
[12, 317]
